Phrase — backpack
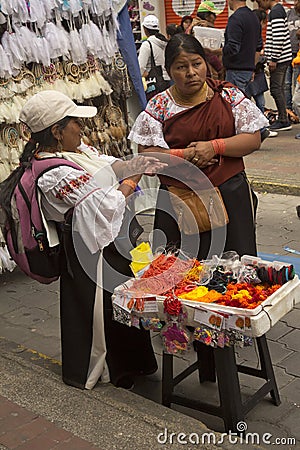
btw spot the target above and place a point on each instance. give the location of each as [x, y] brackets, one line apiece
[23, 228]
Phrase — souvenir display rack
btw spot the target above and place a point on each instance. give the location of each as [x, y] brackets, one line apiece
[69, 46]
[66, 46]
[225, 304]
[217, 327]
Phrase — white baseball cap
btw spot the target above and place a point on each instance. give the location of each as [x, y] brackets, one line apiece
[151, 22]
[48, 107]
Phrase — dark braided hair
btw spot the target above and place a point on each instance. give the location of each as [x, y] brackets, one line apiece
[182, 43]
[44, 139]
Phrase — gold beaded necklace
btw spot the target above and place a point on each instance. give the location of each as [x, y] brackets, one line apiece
[197, 98]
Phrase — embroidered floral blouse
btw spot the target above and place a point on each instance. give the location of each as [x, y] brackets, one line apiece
[91, 190]
[148, 127]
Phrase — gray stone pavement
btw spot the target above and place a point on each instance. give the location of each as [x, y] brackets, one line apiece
[113, 418]
[275, 167]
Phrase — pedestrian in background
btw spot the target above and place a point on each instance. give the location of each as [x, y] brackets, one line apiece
[278, 51]
[206, 15]
[172, 29]
[155, 45]
[186, 24]
[293, 19]
[242, 42]
[259, 85]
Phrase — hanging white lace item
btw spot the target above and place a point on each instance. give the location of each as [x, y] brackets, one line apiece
[4, 164]
[113, 26]
[6, 263]
[42, 48]
[5, 64]
[75, 7]
[87, 38]
[2, 19]
[25, 38]
[108, 45]
[77, 50]
[7, 7]
[49, 7]
[98, 38]
[37, 12]
[99, 7]
[63, 36]
[21, 13]
[11, 47]
[58, 40]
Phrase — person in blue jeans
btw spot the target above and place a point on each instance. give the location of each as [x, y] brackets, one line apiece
[242, 41]
[259, 85]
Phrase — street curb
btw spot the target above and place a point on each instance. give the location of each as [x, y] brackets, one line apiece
[41, 391]
[274, 188]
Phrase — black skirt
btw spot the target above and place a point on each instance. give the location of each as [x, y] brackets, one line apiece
[129, 350]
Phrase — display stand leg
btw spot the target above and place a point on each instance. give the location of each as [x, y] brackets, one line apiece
[206, 362]
[267, 368]
[167, 379]
[229, 387]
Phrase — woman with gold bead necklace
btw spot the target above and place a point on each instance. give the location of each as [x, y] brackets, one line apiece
[203, 127]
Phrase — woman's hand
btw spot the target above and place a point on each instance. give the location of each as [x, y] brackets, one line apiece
[148, 165]
[204, 154]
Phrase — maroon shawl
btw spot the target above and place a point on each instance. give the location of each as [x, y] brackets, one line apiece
[209, 120]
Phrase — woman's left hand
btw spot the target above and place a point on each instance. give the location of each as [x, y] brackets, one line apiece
[148, 165]
[204, 154]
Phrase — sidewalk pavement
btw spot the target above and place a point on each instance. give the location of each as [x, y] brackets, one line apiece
[37, 411]
[275, 167]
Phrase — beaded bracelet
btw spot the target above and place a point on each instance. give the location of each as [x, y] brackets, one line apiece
[219, 146]
[130, 183]
[177, 152]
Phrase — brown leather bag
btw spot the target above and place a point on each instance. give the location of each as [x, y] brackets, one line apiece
[198, 211]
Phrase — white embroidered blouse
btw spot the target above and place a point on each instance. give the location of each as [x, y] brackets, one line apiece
[91, 191]
[148, 127]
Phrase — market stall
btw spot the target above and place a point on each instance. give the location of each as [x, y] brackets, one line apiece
[212, 306]
[84, 49]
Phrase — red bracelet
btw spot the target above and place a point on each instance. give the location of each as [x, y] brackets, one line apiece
[177, 152]
[219, 146]
[130, 183]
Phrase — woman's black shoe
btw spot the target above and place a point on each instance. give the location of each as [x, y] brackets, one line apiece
[125, 383]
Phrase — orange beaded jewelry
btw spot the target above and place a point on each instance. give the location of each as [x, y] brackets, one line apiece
[177, 152]
[219, 146]
[130, 183]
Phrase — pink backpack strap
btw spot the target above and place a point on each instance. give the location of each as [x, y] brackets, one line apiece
[40, 166]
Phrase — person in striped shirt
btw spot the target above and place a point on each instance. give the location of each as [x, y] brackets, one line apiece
[278, 51]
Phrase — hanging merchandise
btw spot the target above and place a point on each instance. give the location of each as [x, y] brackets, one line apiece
[66, 45]
[231, 316]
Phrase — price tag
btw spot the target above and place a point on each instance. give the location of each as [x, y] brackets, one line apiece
[209, 318]
[146, 304]
[125, 301]
[240, 323]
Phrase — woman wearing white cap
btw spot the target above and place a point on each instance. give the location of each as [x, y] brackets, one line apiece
[157, 42]
[93, 345]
